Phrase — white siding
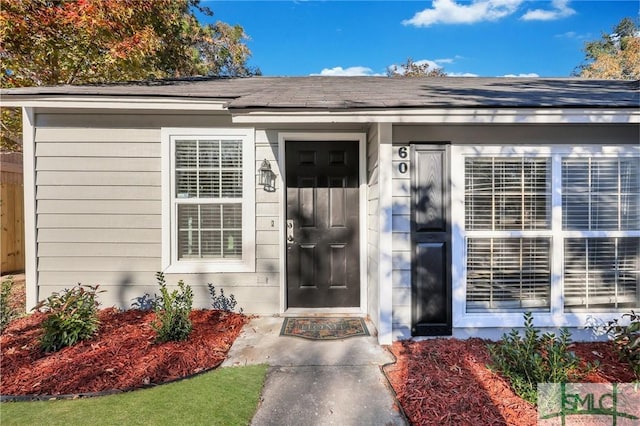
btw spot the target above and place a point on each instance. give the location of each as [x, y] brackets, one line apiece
[401, 243]
[98, 210]
[380, 216]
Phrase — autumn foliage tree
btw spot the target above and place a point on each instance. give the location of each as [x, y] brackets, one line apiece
[413, 68]
[49, 42]
[615, 55]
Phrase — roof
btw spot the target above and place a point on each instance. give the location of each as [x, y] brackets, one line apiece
[340, 93]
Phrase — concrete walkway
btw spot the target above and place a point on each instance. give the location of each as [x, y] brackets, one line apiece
[309, 382]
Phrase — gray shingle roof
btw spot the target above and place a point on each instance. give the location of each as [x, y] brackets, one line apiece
[340, 93]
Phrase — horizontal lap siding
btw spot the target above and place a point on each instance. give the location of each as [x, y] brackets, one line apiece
[266, 297]
[98, 205]
[401, 237]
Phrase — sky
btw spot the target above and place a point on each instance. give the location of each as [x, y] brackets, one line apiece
[486, 38]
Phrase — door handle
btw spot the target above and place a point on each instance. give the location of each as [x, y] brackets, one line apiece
[290, 231]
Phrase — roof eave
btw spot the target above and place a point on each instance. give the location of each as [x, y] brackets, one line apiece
[116, 102]
[442, 115]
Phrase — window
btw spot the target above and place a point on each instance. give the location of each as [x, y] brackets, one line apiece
[601, 273]
[509, 195]
[601, 194]
[549, 230]
[211, 200]
[508, 274]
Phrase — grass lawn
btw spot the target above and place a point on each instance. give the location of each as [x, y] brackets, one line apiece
[225, 396]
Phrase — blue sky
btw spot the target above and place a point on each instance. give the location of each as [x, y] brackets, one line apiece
[478, 38]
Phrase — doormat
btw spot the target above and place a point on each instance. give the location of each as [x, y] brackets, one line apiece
[324, 328]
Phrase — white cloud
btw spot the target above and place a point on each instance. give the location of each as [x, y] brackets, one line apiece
[568, 34]
[347, 72]
[523, 75]
[560, 10]
[451, 12]
[574, 35]
[461, 74]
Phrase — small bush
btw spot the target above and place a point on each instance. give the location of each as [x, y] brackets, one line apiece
[222, 302]
[72, 316]
[626, 339]
[172, 310]
[531, 359]
[7, 312]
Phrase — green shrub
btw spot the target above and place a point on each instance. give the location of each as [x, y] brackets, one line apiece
[172, 310]
[220, 301]
[7, 312]
[531, 359]
[626, 339]
[72, 316]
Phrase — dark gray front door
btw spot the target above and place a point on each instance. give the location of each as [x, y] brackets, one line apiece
[431, 241]
[323, 255]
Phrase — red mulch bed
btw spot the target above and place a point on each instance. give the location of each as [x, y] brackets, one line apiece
[123, 355]
[446, 382]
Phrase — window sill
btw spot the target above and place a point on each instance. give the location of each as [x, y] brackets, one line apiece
[208, 266]
[541, 319]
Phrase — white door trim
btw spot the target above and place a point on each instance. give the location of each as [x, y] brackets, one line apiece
[361, 138]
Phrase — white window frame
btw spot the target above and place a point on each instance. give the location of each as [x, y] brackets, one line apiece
[556, 316]
[170, 262]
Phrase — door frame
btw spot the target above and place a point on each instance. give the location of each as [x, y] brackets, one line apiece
[361, 138]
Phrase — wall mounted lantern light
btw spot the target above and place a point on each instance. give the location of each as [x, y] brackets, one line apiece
[267, 178]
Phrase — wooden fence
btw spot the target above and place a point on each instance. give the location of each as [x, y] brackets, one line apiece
[12, 213]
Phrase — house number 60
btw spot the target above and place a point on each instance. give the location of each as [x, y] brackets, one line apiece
[402, 153]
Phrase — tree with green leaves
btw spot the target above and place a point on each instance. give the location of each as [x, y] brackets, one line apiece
[416, 69]
[50, 42]
[615, 55]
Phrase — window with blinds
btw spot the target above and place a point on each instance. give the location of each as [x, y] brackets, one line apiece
[507, 193]
[208, 197]
[551, 229]
[512, 196]
[506, 274]
[601, 273]
[600, 194]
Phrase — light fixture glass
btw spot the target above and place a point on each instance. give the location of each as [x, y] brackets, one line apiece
[266, 177]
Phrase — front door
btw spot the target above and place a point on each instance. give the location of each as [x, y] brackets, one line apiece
[323, 252]
[431, 241]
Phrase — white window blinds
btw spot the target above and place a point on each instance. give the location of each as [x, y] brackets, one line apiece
[208, 193]
[511, 196]
[600, 194]
[208, 168]
[507, 193]
[601, 273]
[506, 274]
[551, 228]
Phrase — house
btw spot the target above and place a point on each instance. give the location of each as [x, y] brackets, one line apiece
[444, 206]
